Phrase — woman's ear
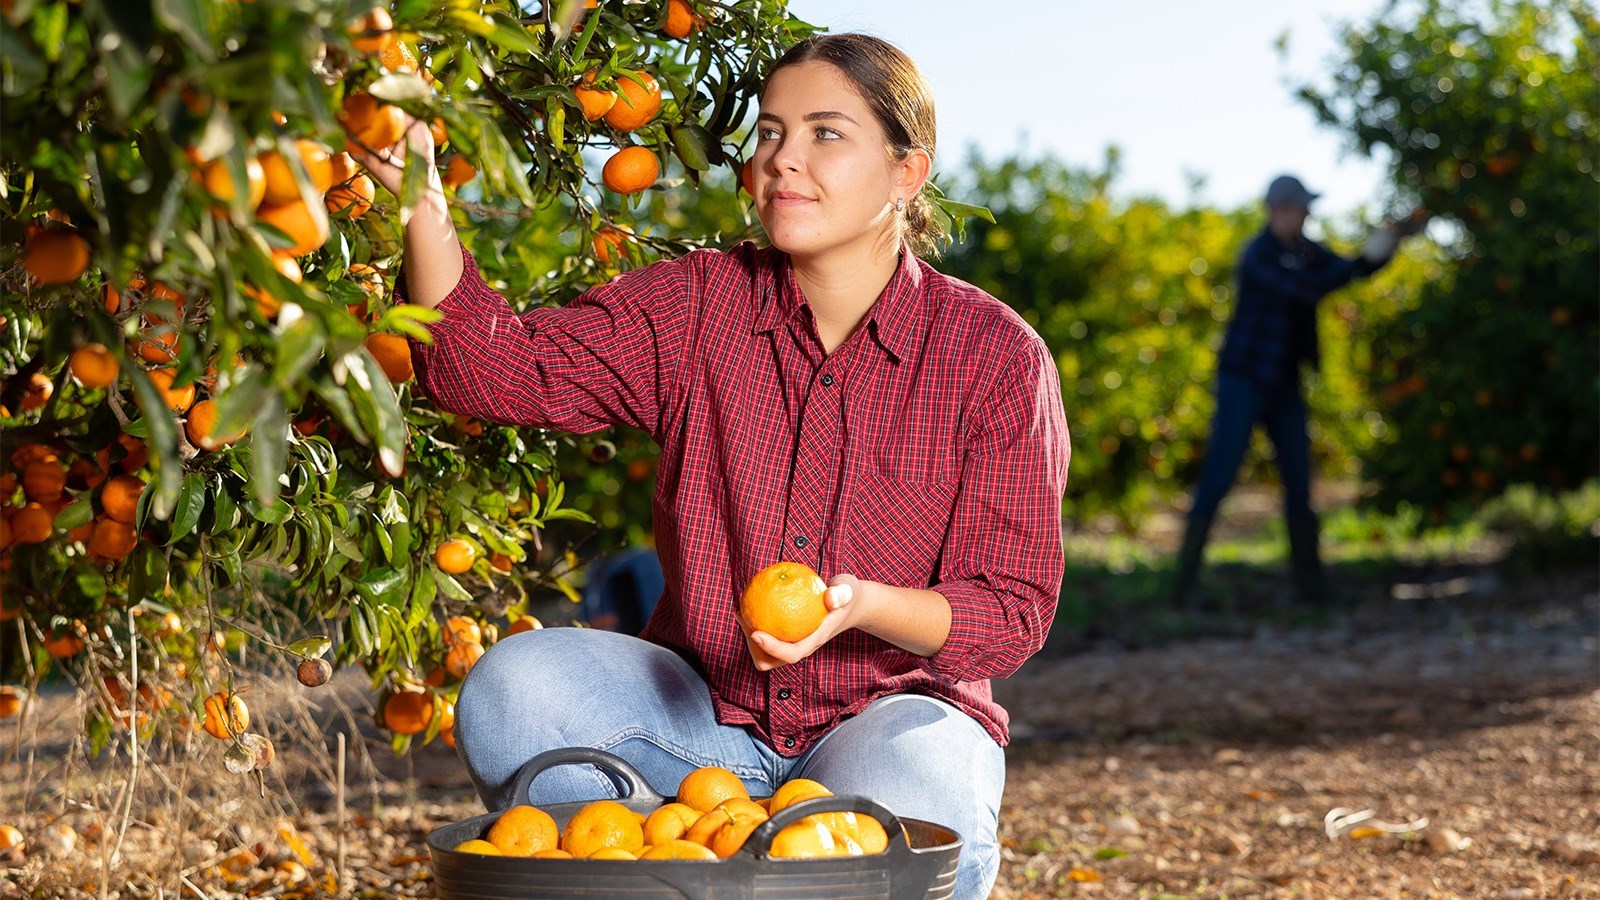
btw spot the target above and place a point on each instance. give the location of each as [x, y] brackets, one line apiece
[912, 173]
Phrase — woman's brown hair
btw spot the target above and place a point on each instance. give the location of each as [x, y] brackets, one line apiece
[899, 98]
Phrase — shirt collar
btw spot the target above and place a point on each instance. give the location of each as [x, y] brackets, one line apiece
[893, 320]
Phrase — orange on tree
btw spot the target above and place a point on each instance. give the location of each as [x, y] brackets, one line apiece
[441, 135]
[609, 243]
[178, 399]
[524, 830]
[281, 184]
[32, 524]
[10, 837]
[447, 724]
[397, 56]
[708, 786]
[10, 701]
[64, 643]
[159, 342]
[94, 366]
[201, 427]
[596, 102]
[785, 600]
[44, 480]
[478, 846]
[500, 562]
[40, 389]
[110, 298]
[458, 172]
[268, 303]
[119, 499]
[371, 123]
[631, 170]
[603, 824]
[462, 657]
[217, 178]
[682, 20]
[637, 104]
[393, 354]
[226, 715]
[747, 177]
[408, 712]
[462, 629]
[313, 672]
[305, 225]
[372, 31]
[455, 556]
[352, 198]
[524, 623]
[56, 256]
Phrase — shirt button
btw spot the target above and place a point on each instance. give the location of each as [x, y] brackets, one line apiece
[800, 541]
[783, 694]
[788, 743]
[827, 380]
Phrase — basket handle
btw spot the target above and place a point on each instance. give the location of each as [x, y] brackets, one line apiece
[610, 763]
[760, 840]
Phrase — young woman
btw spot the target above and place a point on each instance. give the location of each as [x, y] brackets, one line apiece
[830, 399]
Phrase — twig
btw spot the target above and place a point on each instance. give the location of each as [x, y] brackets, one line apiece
[339, 806]
[133, 748]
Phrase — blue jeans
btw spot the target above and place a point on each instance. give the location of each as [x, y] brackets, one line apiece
[582, 687]
[1241, 403]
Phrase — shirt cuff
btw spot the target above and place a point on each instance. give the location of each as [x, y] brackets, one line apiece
[977, 620]
[471, 298]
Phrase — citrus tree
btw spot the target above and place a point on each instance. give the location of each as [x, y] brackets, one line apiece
[1488, 111]
[213, 441]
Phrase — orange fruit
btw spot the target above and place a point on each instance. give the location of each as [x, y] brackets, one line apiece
[137, 453]
[526, 623]
[159, 342]
[631, 170]
[10, 837]
[461, 629]
[705, 828]
[32, 524]
[636, 105]
[612, 853]
[669, 822]
[804, 839]
[65, 642]
[40, 388]
[481, 847]
[682, 20]
[859, 834]
[373, 31]
[201, 427]
[267, 303]
[596, 102]
[458, 172]
[393, 354]
[407, 712]
[500, 562]
[455, 556]
[10, 701]
[370, 123]
[747, 177]
[120, 497]
[462, 657]
[110, 298]
[44, 480]
[397, 56]
[218, 181]
[731, 836]
[706, 787]
[793, 791]
[94, 366]
[55, 256]
[306, 226]
[342, 167]
[601, 825]
[177, 399]
[226, 715]
[609, 243]
[441, 135]
[281, 185]
[351, 199]
[523, 831]
[552, 854]
[785, 600]
[678, 850]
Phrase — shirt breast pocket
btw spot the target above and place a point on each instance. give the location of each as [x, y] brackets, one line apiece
[898, 521]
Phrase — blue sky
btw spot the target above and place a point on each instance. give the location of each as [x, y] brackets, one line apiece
[1181, 87]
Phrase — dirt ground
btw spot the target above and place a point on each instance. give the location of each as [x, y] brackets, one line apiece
[1200, 768]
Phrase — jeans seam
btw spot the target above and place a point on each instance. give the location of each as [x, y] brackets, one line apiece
[682, 753]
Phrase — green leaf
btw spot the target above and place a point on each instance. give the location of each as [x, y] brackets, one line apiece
[401, 87]
[514, 37]
[276, 512]
[190, 19]
[163, 443]
[1109, 853]
[689, 142]
[311, 647]
[191, 503]
[452, 588]
[383, 586]
[269, 446]
[224, 511]
[958, 210]
[369, 384]
[75, 513]
[300, 345]
[423, 589]
[343, 543]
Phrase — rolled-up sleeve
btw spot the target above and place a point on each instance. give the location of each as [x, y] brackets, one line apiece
[604, 359]
[1002, 564]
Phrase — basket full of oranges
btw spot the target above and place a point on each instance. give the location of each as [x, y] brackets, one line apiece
[803, 841]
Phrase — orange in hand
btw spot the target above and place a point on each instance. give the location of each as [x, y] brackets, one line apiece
[785, 600]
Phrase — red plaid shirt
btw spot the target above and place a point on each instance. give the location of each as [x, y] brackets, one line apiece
[929, 450]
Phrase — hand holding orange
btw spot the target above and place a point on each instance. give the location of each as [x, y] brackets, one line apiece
[786, 600]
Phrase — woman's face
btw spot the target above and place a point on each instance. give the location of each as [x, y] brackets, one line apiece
[823, 178]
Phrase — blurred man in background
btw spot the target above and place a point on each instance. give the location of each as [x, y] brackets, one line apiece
[1273, 333]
